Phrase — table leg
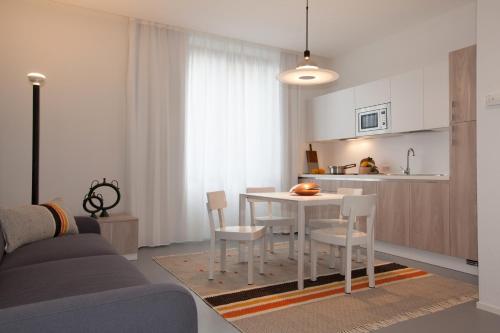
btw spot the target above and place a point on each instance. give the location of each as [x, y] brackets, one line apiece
[242, 216]
[301, 223]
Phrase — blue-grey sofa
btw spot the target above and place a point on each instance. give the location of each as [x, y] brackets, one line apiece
[78, 283]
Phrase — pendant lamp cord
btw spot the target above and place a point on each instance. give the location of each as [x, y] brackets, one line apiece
[307, 54]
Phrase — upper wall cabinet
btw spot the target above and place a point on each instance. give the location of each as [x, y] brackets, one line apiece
[332, 116]
[436, 95]
[463, 85]
[372, 93]
[407, 102]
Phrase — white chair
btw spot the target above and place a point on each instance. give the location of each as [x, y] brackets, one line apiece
[347, 237]
[270, 221]
[217, 201]
[329, 223]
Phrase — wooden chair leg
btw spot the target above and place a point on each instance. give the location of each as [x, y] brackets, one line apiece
[211, 259]
[250, 262]
[332, 256]
[223, 255]
[348, 269]
[291, 243]
[314, 260]
[262, 254]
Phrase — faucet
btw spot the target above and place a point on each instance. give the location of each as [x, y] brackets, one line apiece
[412, 152]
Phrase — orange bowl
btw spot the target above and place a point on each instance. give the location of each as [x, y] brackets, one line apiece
[306, 189]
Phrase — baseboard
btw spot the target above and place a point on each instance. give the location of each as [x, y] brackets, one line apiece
[436, 259]
[488, 307]
[132, 256]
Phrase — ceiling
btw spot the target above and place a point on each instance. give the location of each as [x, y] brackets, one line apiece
[336, 26]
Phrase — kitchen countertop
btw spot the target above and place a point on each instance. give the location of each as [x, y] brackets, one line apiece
[376, 177]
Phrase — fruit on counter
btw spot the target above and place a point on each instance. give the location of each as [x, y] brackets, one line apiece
[369, 163]
[318, 171]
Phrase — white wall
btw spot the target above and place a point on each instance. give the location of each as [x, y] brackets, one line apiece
[423, 44]
[488, 157]
[84, 55]
[409, 49]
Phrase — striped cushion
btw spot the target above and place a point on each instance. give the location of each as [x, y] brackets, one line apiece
[28, 224]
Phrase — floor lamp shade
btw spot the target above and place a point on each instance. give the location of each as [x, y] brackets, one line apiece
[36, 79]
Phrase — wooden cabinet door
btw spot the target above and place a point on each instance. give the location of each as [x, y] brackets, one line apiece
[393, 212]
[463, 84]
[429, 216]
[463, 191]
[407, 102]
[437, 95]
[372, 93]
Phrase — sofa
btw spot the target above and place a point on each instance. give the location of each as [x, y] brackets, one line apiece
[78, 283]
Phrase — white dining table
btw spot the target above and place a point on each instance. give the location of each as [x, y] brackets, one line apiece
[300, 203]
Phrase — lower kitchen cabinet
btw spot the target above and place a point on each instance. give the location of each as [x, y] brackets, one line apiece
[430, 216]
[393, 212]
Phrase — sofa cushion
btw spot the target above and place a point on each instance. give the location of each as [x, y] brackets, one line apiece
[27, 224]
[69, 277]
[66, 247]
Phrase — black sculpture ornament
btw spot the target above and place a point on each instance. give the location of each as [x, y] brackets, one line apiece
[92, 197]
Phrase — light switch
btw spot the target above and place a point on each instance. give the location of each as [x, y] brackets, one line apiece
[493, 99]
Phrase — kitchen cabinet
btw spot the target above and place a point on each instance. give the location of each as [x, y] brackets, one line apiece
[437, 95]
[463, 191]
[463, 85]
[393, 212]
[372, 93]
[332, 116]
[407, 102]
[429, 216]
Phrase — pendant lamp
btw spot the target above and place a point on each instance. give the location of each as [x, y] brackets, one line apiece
[307, 72]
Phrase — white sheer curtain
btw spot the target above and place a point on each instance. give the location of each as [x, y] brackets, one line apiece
[156, 132]
[205, 114]
[234, 132]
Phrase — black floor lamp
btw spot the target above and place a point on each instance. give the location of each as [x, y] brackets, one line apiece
[36, 79]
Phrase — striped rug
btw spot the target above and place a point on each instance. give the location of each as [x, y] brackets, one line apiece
[275, 305]
[252, 302]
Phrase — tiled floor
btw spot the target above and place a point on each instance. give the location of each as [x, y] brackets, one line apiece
[460, 319]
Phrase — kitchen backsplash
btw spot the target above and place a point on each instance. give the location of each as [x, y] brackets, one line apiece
[389, 152]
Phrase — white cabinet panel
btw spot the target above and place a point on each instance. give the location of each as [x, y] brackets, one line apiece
[332, 116]
[344, 119]
[436, 95]
[372, 93]
[320, 118]
[407, 99]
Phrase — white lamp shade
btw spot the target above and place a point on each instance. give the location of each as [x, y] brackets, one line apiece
[308, 76]
[36, 78]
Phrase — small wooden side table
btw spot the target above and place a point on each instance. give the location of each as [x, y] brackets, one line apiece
[122, 231]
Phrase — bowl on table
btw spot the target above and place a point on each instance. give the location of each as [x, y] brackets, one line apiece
[306, 189]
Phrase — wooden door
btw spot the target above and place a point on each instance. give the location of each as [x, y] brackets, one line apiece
[393, 212]
[429, 216]
[463, 84]
[463, 191]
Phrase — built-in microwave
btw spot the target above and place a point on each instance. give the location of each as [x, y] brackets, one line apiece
[373, 119]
